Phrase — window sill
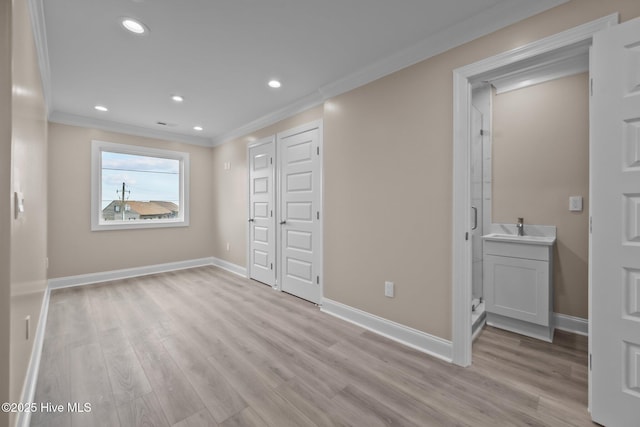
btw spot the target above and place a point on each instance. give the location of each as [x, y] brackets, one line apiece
[138, 224]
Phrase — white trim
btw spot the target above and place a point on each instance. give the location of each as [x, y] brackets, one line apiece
[575, 325]
[461, 249]
[229, 266]
[568, 38]
[97, 222]
[109, 126]
[544, 333]
[462, 78]
[312, 100]
[31, 379]
[105, 276]
[548, 72]
[315, 124]
[422, 341]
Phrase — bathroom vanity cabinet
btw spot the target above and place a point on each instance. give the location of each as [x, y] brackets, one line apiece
[518, 285]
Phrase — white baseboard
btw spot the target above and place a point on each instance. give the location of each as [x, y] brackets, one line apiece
[23, 419]
[576, 325]
[105, 276]
[430, 344]
[231, 267]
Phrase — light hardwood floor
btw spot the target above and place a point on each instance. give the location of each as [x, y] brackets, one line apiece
[203, 347]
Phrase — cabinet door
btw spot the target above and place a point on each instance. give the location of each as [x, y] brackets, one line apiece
[517, 288]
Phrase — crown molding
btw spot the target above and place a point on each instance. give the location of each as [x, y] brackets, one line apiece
[89, 122]
[302, 104]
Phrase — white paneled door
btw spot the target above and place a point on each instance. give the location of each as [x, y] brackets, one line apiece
[615, 239]
[299, 213]
[262, 226]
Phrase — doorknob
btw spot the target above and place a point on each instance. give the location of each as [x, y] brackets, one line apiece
[251, 220]
[284, 221]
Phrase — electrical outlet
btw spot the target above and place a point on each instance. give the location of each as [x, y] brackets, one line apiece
[389, 289]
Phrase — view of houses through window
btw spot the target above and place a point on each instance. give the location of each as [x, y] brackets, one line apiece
[136, 187]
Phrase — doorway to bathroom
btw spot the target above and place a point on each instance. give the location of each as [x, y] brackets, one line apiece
[540, 61]
[614, 158]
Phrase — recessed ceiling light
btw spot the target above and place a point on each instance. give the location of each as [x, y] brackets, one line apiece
[133, 26]
[198, 128]
[177, 98]
[275, 84]
[101, 108]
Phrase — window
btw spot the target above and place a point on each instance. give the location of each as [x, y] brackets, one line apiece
[138, 187]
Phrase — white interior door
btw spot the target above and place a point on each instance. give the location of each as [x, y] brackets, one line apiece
[615, 208]
[262, 237]
[300, 191]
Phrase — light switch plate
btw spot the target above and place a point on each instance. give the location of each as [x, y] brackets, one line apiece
[389, 289]
[575, 203]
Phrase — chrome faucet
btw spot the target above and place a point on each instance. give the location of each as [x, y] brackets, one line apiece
[520, 226]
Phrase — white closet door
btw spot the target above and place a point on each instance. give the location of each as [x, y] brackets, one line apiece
[300, 192]
[262, 240]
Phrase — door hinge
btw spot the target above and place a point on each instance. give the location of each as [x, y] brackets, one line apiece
[481, 132]
[318, 150]
[590, 362]
[271, 160]
[272, 266]
[318, 280]
[591, 86]
[271, 214]
[590, 224]
[318, 214]
[466, 236]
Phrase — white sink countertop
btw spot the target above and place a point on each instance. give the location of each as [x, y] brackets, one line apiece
[544, 235]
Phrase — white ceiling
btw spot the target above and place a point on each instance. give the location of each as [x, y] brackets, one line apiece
[219, 55]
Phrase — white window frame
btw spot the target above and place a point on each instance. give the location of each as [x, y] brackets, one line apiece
[98, 223]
